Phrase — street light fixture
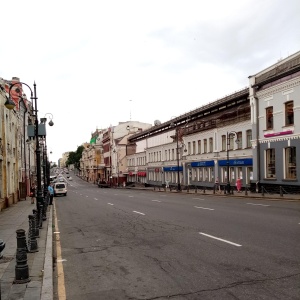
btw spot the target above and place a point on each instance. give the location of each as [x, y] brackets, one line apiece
[11, 105]
[177, 157]
[227, 162]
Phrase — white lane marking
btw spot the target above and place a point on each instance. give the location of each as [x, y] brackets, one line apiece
[61, 260]
[95, 198]
[198, 199]
[216, 238]
[258, 204]
[204, 208]
[115, 194]
[137, 212]
[155, 200]
[130, 196]
[110, 204]
[87, 196]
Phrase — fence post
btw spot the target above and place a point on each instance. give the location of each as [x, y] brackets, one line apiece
[21, 269]
[32, 242]
[36, 223]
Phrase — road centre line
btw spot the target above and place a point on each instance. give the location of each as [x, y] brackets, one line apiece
[204, 208]
[216, 238]
[137, 212]
[130, 196]
[258, 204]
[110, 204]
[95, 198]
[198, 199]
[155, 200]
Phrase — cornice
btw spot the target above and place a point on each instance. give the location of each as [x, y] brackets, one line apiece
[279, 88]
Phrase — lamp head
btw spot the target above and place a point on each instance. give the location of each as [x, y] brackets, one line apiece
[9, 104]
[51, 123]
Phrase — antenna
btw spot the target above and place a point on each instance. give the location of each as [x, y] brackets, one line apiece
[130, 110]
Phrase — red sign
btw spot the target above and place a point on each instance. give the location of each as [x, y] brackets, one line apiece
[278, 133]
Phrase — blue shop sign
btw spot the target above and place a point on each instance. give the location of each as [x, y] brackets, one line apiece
[208, 163]
[237, 162]
[172, 169]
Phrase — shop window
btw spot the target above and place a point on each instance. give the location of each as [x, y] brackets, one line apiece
[200, 174]
[289, 113]
[249, 138]
[269, 118]
[270, 163]
[249, 173]
[290, 163]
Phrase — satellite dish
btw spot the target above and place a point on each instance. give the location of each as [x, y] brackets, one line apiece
[157, 122]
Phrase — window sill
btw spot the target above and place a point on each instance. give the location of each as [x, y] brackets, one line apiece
[270, 179]
[292, 180]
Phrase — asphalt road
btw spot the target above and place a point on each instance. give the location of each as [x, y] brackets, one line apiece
[133, 244]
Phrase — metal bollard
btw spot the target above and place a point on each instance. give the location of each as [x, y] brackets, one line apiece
[196, 190]
[204, 190]
[2, 246]
[21, 269]
[281, 191]
[36, 223]
[45, 206]
[262, 191]
[40, 216]
[32, 242]
[246, 191]
[188, 189]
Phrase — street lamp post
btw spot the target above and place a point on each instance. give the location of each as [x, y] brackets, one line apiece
[177, 157]
[228, 188]
[34, 98]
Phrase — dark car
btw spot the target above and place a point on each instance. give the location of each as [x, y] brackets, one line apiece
[103, 184]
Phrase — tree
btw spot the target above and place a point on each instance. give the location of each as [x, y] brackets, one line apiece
[74, 157]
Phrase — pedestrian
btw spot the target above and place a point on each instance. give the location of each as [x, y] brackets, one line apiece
[32, 193]
[217, 185]
[51, 194]
[238, 184]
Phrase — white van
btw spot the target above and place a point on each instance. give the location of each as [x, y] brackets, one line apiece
[60, 188]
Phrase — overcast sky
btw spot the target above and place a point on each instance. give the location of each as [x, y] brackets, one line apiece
[97, 63]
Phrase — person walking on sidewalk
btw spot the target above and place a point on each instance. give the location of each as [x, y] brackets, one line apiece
[217, 185]
[239, 184]
[51, 194]
[32, 193]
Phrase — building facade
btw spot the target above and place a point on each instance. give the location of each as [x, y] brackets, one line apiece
[275, 105]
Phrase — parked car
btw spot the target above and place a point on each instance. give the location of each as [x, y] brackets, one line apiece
[103, 184]
[60, 189]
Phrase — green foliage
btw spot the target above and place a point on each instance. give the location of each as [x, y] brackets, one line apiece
[74, 157]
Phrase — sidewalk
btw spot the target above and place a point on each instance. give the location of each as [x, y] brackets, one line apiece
[39, 263]
[290, 197]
